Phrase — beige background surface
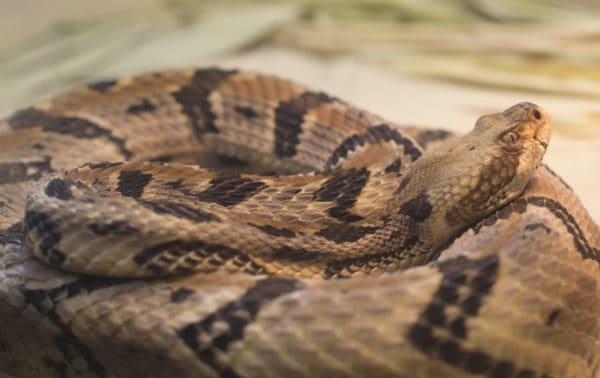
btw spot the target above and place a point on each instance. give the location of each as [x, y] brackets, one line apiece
[428, 63]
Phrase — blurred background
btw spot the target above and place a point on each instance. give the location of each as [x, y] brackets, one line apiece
[438, 63]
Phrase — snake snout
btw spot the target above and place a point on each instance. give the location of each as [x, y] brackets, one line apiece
[541, 123]
[534, 113]
[527, 111]
[534, 119]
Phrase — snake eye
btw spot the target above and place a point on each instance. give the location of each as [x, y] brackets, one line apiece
[510, 137]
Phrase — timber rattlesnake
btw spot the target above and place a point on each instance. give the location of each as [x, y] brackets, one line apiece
[303, 187]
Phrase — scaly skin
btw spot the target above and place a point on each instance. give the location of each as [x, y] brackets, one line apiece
[456, 184]
[514, 295]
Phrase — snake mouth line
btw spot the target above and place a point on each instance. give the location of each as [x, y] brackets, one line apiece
[544, 144]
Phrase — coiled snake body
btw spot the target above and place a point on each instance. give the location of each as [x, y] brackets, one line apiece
[287, 253]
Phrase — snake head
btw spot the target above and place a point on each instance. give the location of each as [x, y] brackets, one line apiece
[524, 127]
[491, 165]
[511, 145]
[518, 138]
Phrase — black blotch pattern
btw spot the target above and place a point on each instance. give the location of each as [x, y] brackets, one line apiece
[411, 239]
[72, 351]
[28, 117]
[245, 111]
[519, 206]
[40, 298]
[503, 369]
[274, 231]
[292, 254]
[402, 242]
[536, 226]
[344, 233]
[174, 247]
[102, 86]
[194, 98]
[237, 315]
[73, 126]
[160, 257]
[405, 181]
[112, 228]
[424, 137]
[58, 188]
[143, 107]
[373, 135]
[395, 167]
[181, 295]
[70, 346]
[418, 208]
[247, 265]
[230, 161]
[475, 279]
[12, 234]
[11, 173]
[103, 165]
[132, 183]
[176, 184]
[289, 116]
[56, 257]
[552, 317]
[230, 190]
[343, 189]
[162, 158]
[49, 234]
[179, 210]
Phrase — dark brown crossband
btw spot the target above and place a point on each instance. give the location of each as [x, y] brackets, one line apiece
[289, 117]
[144, 106]
[373, 135]
[343, 189]
[179, 210]
[73, 126]
[73, 350]
[132, 183]
[209, 338]
[418, 208]
[425, 137]
[11, 173]
[465, 285]
[182, 256]
[50, 236]
[61, 189]
[195, 102]
[230, 190]
[344, 233]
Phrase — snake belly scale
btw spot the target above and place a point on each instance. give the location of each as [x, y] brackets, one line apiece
[225, 223]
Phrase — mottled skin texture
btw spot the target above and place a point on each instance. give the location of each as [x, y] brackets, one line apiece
[248, 259]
